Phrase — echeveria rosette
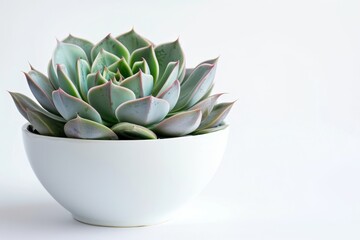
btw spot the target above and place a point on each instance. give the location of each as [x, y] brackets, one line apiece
[122, 88]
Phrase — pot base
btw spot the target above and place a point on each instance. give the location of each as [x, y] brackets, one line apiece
[99, 224]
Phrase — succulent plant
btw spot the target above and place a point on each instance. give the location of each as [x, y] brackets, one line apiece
[122, 88]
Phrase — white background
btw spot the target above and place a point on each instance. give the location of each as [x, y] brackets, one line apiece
[291, 170]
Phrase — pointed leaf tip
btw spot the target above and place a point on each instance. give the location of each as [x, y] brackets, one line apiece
[217, 115]
[170, 52]
[132, 40]
[24, 103]
[111, 45]
[31, 67]
[41, 88]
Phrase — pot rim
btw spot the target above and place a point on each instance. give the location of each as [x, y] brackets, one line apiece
[26, 131]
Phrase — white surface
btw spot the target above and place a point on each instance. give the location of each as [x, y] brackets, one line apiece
[291, 170]
[141, 183]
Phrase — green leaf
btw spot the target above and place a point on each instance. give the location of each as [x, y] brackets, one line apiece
[107, 97]
[83, 43]
[210, 130]
[102, 60]
[170, 52]
[171, 95]
[147, 53]
[216, 116]
[206, 105]
[141, 65]
[133, 131]
[83, 70]
[65, 83]
[52, 75]
[207, 94]
[140, 83]
[210, 61]
[110, 45]
[180, 124]
[132, 41]
[188, 71]
[69, 107]
[143, 111]
[41, 88]
[121, 66]
[24, 104]
[87, 129]
[167, 79]
[45, 125]
[182, 75]
[95, 79]
[107, 74]
[196, 86]
[67, 54]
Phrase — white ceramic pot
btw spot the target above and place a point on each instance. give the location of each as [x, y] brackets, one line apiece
[124, 183]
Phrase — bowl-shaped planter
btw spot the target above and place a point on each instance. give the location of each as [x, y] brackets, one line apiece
[124, 183]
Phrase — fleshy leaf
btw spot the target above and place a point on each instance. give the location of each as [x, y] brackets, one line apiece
[133, 41]
[102, 60]
[188, 71]
[87, 129]
[211, 61]
[170, 52]
[182, 75]
[179, 124]
[83, 43]
[121, 66]
[65, 83]
[140, 83]
[216, 116]
[210, 130]
[171, 95]
[95, 79]
[167, 79]
[41, 88]
[207, 94]
[206, 105]
[69, 107]
[196, 86]
[133, 131]
[67, 54]
[141, 65]
[83, 70]
[52, 75]
[24, 104]
[148, 53]
[107, 74]
[45, 125]
[110, 45]
[107, 97]
[143, 111]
